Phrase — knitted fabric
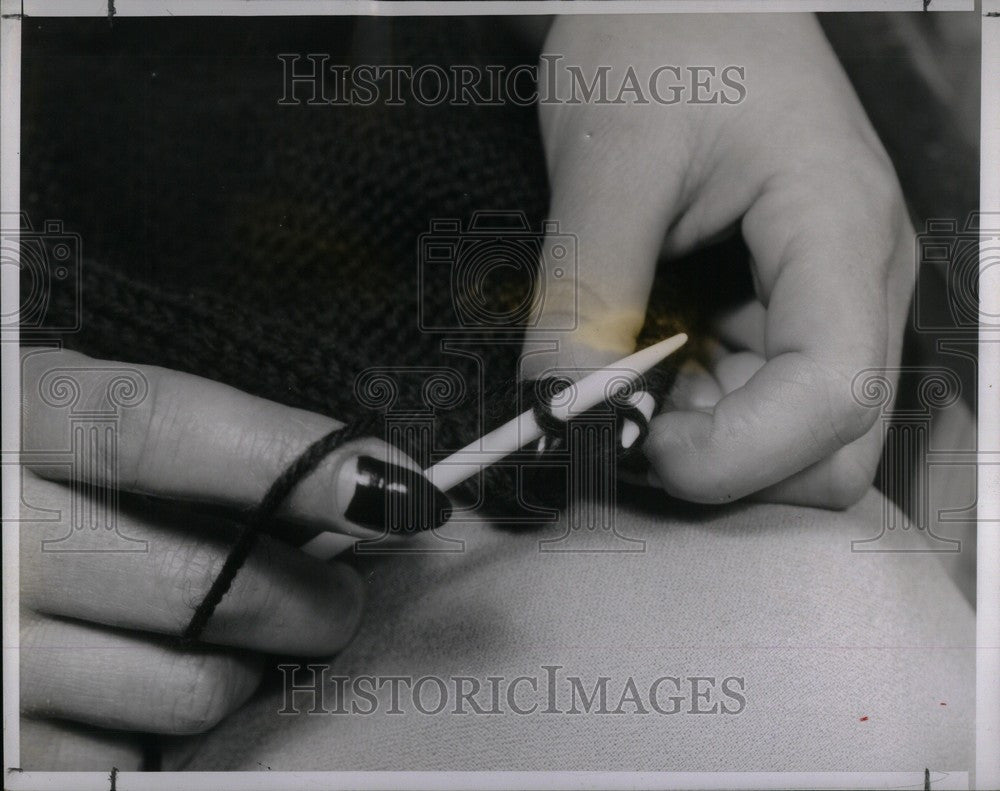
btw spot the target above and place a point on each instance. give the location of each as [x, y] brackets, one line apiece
[277, 249]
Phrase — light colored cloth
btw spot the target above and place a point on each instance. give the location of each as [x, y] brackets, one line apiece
[852, 661]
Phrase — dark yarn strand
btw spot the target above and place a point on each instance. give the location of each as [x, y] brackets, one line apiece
[294, 273]
[540, 394]
[264, 513]
[537, 394]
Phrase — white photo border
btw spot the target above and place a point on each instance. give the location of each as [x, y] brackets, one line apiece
[987, 760]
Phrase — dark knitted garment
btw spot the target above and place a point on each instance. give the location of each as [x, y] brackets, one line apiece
[277, 248]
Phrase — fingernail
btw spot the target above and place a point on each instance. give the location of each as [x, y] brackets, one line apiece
[395, 499]
[644, 402]
[630, 433]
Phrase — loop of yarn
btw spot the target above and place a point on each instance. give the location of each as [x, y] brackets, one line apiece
[265, 512]
[538, 394]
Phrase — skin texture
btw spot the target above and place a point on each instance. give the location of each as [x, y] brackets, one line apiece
[797, 169]
[196, 442]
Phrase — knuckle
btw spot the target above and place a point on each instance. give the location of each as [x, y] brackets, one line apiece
[187, 570]
[880, 209]
[851, 420]
[256, 596]
[848, 418]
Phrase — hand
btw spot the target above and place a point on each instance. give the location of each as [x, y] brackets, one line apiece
[798, 169]
[98, 626]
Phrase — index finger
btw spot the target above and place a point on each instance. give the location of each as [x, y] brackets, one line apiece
[185, 437]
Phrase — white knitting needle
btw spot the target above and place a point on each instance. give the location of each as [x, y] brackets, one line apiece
[575, 399]
[518, 432]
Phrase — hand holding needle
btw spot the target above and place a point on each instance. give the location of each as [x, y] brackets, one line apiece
[517, 432]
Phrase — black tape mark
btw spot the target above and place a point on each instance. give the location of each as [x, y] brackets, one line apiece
[114, 777]
[927, 780]
[111, 12]
[926, 4]
[21, 15]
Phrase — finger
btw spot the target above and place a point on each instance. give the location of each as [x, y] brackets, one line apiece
[742, 327]
[645, 403]
[695, 388]
[734, 369]
[122, 680]
[190, 438]
[54, 746]
[838, 481]
[593, 300]
[842, 479]
[612, 210]
[826, 296]
[281, 601]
